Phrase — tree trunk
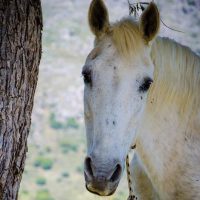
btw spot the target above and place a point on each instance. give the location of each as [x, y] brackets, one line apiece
[20, 53]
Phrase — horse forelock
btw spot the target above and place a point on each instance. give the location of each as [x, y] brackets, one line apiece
[127, 38]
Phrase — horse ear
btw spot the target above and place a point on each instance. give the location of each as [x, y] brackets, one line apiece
[98, 17]
[150, 22]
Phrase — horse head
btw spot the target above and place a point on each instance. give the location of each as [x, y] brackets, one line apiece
[117, 74]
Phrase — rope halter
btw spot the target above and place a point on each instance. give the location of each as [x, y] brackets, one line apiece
[131, 193]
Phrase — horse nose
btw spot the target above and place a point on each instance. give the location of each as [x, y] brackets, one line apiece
[102, 178]
[110, 174]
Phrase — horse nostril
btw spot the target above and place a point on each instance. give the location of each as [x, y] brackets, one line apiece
[117, 173]
[88, 167]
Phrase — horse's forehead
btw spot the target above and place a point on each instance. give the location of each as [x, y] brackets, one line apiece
[107, 48]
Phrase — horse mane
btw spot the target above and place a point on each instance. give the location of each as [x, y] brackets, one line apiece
[177, 68]
[176, 76]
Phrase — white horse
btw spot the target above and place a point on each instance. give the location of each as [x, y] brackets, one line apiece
[144, 90]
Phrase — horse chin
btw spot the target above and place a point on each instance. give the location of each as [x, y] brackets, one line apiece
[103, 191]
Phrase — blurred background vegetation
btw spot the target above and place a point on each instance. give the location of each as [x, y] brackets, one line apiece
[57, 144]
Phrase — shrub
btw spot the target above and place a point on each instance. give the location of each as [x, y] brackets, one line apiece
[45, 163]
[72, 123]
[43, 195]
[41, 181]
[54, 123]
[65, 174]
[66, 146]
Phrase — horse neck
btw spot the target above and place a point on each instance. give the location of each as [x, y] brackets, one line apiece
[176, 77]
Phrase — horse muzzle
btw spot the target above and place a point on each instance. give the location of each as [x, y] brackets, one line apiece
[102, 180]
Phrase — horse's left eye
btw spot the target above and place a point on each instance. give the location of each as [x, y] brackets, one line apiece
[87, 76]
[145, 84]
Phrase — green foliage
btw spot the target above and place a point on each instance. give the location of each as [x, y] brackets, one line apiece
[43, 195]
[54, 123]
[43, 162]
[41, 181]
[65, 174]
[66, 146]
[72, 123]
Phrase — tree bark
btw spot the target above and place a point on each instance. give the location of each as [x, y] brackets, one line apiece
[20, 53]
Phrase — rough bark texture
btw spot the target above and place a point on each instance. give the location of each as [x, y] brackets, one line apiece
[20, 52]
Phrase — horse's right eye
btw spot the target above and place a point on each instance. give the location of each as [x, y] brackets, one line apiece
[87, 76]
[145, 84]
